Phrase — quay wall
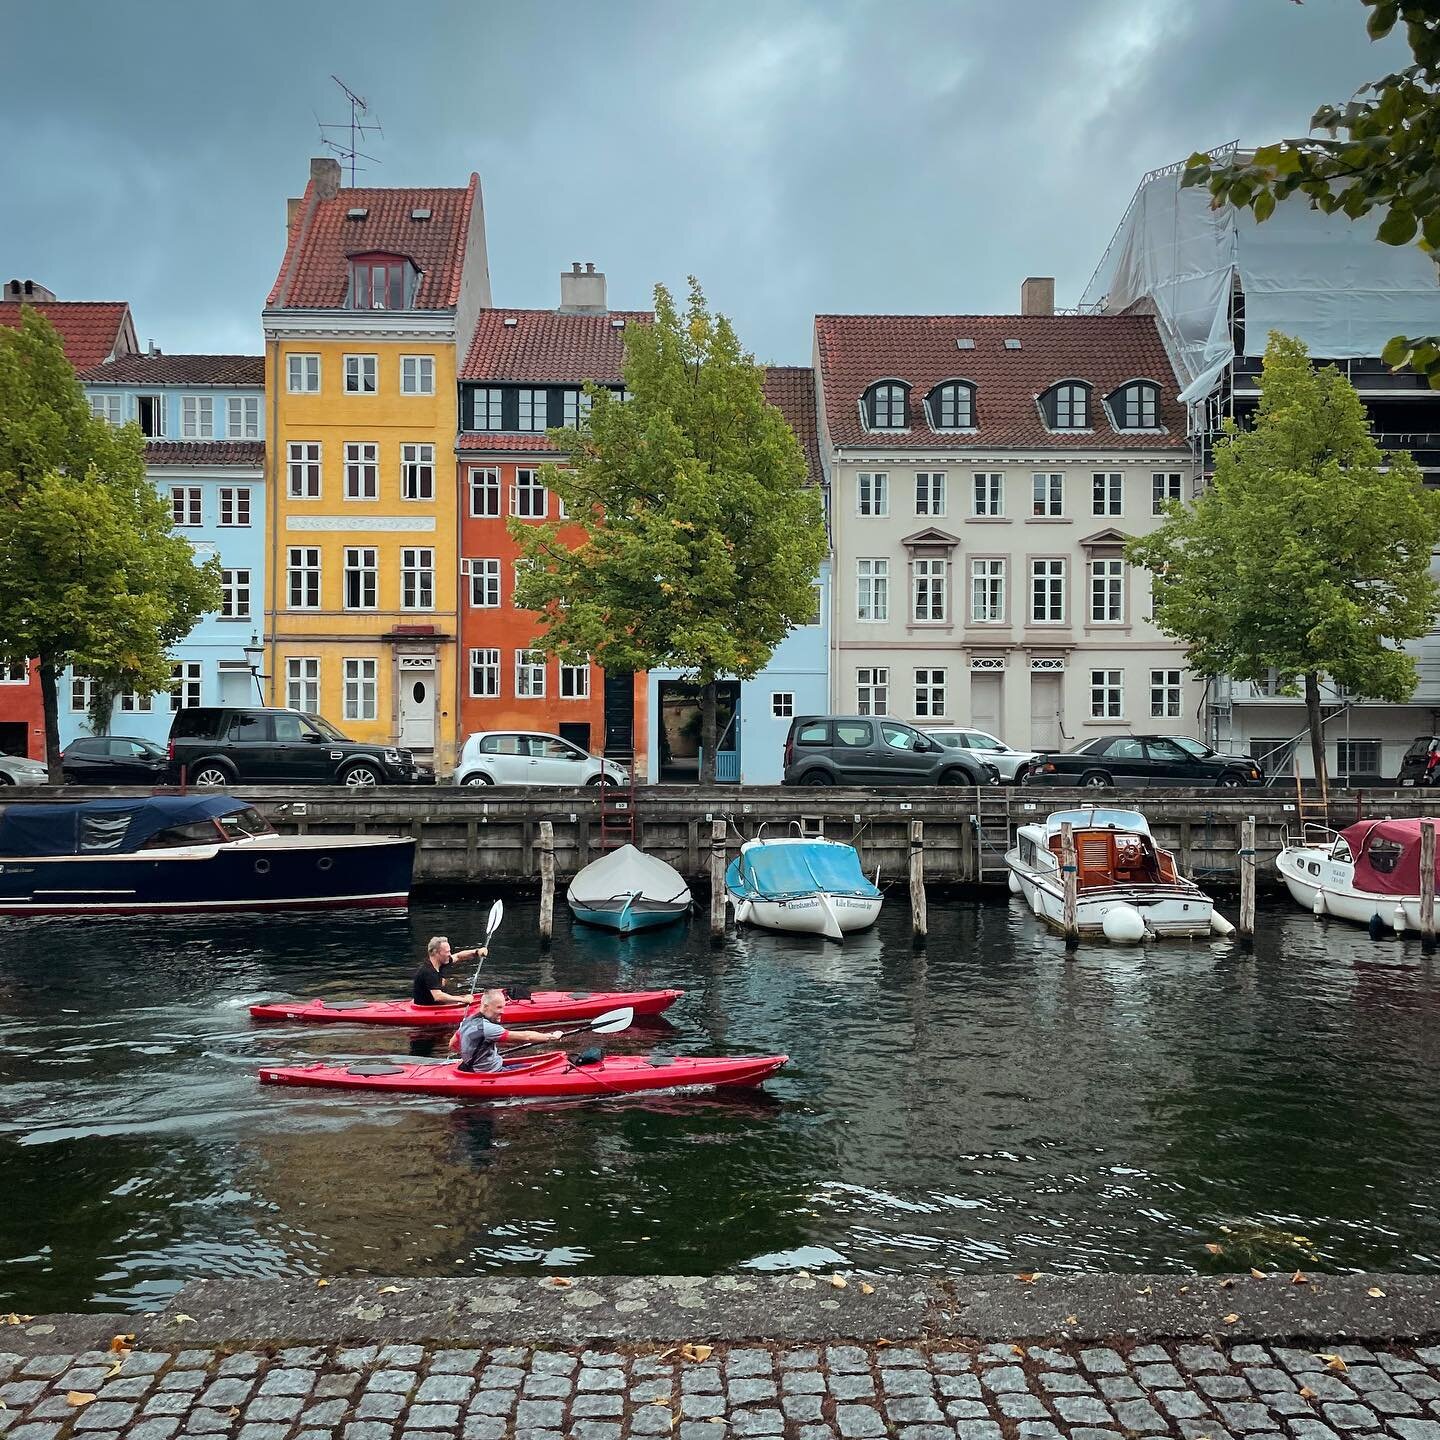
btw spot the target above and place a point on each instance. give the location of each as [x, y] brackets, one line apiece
[492, 836]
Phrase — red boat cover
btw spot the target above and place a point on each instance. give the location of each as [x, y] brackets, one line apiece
[1387, 856]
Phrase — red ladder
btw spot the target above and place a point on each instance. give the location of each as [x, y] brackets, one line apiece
[617, 811]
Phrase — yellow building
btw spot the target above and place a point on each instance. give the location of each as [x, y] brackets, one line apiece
[378, 291]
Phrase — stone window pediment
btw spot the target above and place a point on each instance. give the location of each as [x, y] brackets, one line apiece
[931, 541]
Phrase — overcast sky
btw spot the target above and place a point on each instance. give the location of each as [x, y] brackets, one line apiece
[796, 155]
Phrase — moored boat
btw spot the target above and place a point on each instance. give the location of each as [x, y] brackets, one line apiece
[1127, 888]
[172, 853]
[1368, 872]
[537, 1007]
[802, 885]
[628, 890]
[545, 1077]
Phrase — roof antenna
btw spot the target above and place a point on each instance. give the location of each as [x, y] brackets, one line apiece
[356, 127]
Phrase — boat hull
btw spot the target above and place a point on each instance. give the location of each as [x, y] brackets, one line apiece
[626, 917]
[1167, 912]
[281, 872]
[542, 1006]
[807, 915]
[1308, 870]
[547, 1077]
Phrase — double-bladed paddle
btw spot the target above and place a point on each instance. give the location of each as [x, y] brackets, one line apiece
[492, 924]
[610, 1023]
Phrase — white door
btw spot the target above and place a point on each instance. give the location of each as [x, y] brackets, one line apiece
[985, 698]
[417, 709]
[1044, 711]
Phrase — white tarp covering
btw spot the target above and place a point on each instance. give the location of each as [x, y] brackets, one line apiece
[1322, 278]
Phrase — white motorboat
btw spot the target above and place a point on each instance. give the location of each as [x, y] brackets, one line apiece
[1128, 889]
[628, 890]
[1368, 872]
[803, 885]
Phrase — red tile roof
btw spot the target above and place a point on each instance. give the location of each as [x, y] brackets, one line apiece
[249, 453]
[505, 442]
[315, 273]
[1105, 350]
[228, 370]
[791, 390]
[544, 347]
[90, 330]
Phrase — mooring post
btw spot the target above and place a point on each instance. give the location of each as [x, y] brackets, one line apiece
[547, 880]
[917, 878]
[717, 879]
[1427, 884]
[1071, 878]
[1247, 879]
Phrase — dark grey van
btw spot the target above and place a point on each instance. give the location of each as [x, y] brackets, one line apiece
[874, 750]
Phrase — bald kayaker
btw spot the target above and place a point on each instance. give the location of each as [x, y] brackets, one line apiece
[428, 988]
[481, 1033]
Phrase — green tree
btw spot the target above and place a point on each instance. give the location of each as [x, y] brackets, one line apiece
[1386, 161]
[1308, 553]
[699, 536]
[91, 572]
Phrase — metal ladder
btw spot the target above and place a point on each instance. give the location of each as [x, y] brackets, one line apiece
[617, 811]
[992, 834]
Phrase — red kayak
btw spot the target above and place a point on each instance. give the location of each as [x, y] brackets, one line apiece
[541, 1007]
[546, 1077]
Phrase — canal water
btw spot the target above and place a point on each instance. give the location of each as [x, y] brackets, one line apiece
[982, 1104]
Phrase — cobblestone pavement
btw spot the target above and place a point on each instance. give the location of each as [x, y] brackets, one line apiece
[940, 1391]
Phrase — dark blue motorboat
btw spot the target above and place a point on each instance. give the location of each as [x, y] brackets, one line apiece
[162, 853]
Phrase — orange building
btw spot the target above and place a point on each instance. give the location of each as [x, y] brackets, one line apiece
[523, 374]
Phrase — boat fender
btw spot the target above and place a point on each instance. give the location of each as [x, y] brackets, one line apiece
[1123, 925]
[1319, 907]
[1219, 925]
[1399, 920]
[1014, 883]
[1377, 926]
[592, 1056]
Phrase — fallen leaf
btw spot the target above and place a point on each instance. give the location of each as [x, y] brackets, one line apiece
[13, 1319]
[1375, 1292]
[657, 1401]
[666, 1354]
[866, 1289]
[559, 1282]
[116, 1368]
[1227, 1282]
[1072, 1319]
[321, 1284]
[233, 1412]
[1231, 1319]
[396, 1290]
[182, 1319]
[1017, 1350]
[1215, 1249]
[696, 1354]
[1334, 1362]
[78, 1398]
[1256, 1274]
[1028, 1277]
[839, 1281]
[883, 1341]
[1145, 1291]
[1306, 1393]
[1299, 1278]
[120, 1342]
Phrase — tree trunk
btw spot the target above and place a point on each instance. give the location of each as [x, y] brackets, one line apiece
[708, 698]
[1317, 733]
[51, 704]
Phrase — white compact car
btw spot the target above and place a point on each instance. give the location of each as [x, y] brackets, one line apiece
[17, 770]
[530, 757]
[1012, 765]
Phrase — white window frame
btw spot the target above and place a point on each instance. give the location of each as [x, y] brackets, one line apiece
[362, 689]
[987, 590]
[417, 374]
[574, 682]
[1107, 694]
[1344, 770]
[1070, 400]
[485, 664]
[930, 688]
[302, 576]
[529, 675]
[782, 704]
[1049, 578]
[417, 578]
[529, 489]
[987, 496]
[234, 507]
[157, 415]
[930, 497]
[417, 471]
[483, 482]
[362, 374]
[197, 417]
[1107, 494]
[81, 689]
[1047, 493]
[872, 690]
[235, 594]
[108, 407]
[929, 587]
[185, 686]
[362, 470]
[302, 373]
[484, 583]
[14, 672]
[1165, 485]
[242, 417]
[487, 408]
[575, 409]
[872, 590]
[872, 494]
[361, 574]
[1167, 690]
[304, 469]
[187, 507]
[131, 702]
[532, 402]
[1107, 592]
[302, 683]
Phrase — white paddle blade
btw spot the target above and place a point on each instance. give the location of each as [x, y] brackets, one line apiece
[612, 1021]
[497, 914]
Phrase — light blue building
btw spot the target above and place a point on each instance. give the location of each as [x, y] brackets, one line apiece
[755, 715]
[204, 421]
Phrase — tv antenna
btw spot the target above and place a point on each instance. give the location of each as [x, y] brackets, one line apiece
[357, 128]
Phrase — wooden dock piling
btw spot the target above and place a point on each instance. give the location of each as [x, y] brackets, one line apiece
[1246, 923]
[1069, 871]
[717, 880]
[917, 878]
[547, 880]
[1427, 884]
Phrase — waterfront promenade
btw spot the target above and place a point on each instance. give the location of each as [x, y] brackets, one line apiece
[944, 1358]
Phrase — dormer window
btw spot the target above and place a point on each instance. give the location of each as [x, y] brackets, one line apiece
[1067, 406]
[885, 405]
[382, 282]
[952, 406]
[1136, 406]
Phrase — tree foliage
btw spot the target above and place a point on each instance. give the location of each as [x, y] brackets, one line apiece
[91, 572]
[692, 540]
[1307, 554]
[1388, 160]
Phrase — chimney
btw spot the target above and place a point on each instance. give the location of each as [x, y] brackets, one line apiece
[27, 290]
[1037, 295]
[325, 173]
[582, 292]
[292, 208]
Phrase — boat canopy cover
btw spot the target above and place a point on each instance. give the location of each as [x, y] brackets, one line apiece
[794, 868]
[628, 871]
[1387, 856]
[1130, 820]
[98, 827]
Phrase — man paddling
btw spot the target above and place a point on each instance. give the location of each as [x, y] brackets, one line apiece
[482, 1032]
[428, 988]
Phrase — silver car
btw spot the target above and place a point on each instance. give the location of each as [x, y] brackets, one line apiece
[531, 757]
[1012, 765]
[17, 770]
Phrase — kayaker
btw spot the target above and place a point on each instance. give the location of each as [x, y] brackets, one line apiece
[428, 988]
[482, 1032]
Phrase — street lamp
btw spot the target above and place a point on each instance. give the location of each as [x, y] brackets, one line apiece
[254, 659]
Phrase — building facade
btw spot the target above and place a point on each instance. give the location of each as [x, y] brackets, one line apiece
[985, 473]
[378, 290]
[204, 419]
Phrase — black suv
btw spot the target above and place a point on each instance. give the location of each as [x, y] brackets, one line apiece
[1421, 765]
[873, 750]
[215, 745]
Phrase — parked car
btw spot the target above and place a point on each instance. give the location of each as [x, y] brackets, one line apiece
[531, 757]
[19, 770]
[219, 745]
[1421, 765]
[1146, 761]
[114, 760]
[875, 750]
[1012, 766]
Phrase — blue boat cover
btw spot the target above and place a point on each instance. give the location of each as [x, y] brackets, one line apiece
[97, 827]
[785, 872]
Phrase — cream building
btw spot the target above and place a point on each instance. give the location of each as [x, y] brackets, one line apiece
[984, 475]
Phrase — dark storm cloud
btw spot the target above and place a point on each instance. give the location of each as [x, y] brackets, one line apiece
[805, 156]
